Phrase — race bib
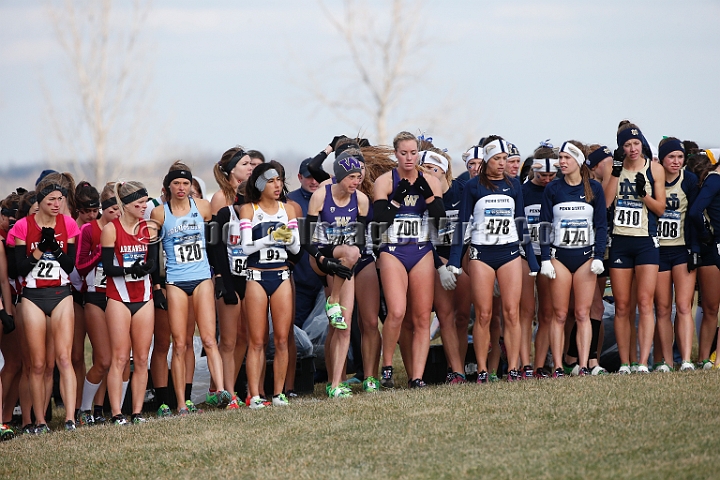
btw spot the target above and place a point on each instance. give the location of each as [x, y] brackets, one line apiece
[46, 269]
[238, 262]
[273, 255]
[497, 221]
[573, 233]
[668, 227]
[188, 253]
[628, 213]
[406, 228]
[100, 278]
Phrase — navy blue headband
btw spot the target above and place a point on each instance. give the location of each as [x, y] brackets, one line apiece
[628, 134]
[670, 146]
[598, 156]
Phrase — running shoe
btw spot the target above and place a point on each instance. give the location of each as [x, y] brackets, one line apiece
[223, 398]
[257, 403]
[527, 373]
[386, 377]
[598, 370]
[41, 429]
[417, 383]
[482, 377]
[164, 411]
[494, 377]
[280, 400]
[137, 419]
[513, 376]
[624, 369]
[6, 433]
[191, 407]
[28, 429]
[456, 378]
[339, 392]
[583, 372]
[634, 367]
[687, 366]
[99, 419]
[354, 381]
[540, 373]
[265, 401]
[558, 373]
[291, 394]
[571, 370]
[370, 385]
[119, 420]
[662, 367]
[706, 364]
[85, 418]
[642, 368]
[233, 405]
[183, 412]
[334, 314]
[211, 398]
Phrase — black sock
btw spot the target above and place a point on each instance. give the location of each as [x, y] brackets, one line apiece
[188, 390]
[572, 350]
[77, 412]
[161, 393]
[98, 411]
[596, 324]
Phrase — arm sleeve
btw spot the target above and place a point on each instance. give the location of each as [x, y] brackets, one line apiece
[470, 196]
[11, 264]
[315, 167]
[599, 222]
[384, 211]
[307, 242]
[436, 210]
[24, 262]
[520, 214]
[67, 260]
[436, 259]
[218, 251]
[361, 233]
[546, 217]
[154, 254]
[706, 194]
[294, 246]
[109, 267]
[86, 259]
[692, 235]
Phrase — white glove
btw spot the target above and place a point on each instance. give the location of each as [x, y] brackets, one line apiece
[448, 280]
[547, 269]
[597, 267]
[454, 270]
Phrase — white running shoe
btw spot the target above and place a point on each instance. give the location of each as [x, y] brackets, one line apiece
[624, 370]
[279, 401]
[598, 370]
[256, 403]
[642, 369]
[663, 368]
[687, 366]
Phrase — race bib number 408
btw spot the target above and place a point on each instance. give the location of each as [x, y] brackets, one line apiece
[669, 225]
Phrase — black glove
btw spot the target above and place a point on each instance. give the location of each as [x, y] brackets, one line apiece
[401, 191]
[229, 297]
[333, 266]
[159, 300]
[693, 261]
[148, 266]
[8, 322]
[640, 183]
[422, 185]
[47, 240]
[335, 140]
[618, 158]
[364, 142]
[136, 269]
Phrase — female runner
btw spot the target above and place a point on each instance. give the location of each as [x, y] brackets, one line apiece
[406, 265]
[89, 265]
[679, 258]
[544, 171]
[268, 232]
[575, 207]
[45, 257]
[494, 200]
[233, 168]
[340, 236]
[129, 247]
[637, 185]
[436, 163]
[187, 274]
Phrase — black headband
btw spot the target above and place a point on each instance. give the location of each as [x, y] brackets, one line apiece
[233, 161]
[49, 189]
[89, 204]
[136, 195]
[9, 212]
[110, 202]
[175, 174]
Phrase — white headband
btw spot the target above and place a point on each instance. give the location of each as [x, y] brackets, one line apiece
[472, 154]
[432, 158]
[574, 152]
[544, 165]
[493, 148]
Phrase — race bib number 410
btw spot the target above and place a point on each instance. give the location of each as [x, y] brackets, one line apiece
[628, 213]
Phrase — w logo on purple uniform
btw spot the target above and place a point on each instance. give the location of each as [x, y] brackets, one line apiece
[350, 163]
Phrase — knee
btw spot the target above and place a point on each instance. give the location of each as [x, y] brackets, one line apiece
[78, 357]
[484, 318]
[683, 309]
[64, 361]
[228, 342]
[140, 362]
[179, 349]
[37, 367]
[120, 360]
[209, 342]
[560, 317]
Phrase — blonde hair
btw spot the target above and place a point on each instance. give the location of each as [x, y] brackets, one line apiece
[402, 136]
[123, 189]
[108, 191]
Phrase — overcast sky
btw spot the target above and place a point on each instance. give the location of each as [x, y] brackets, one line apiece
[237, 72]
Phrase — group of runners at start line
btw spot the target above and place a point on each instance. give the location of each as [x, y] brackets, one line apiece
[523, 244]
